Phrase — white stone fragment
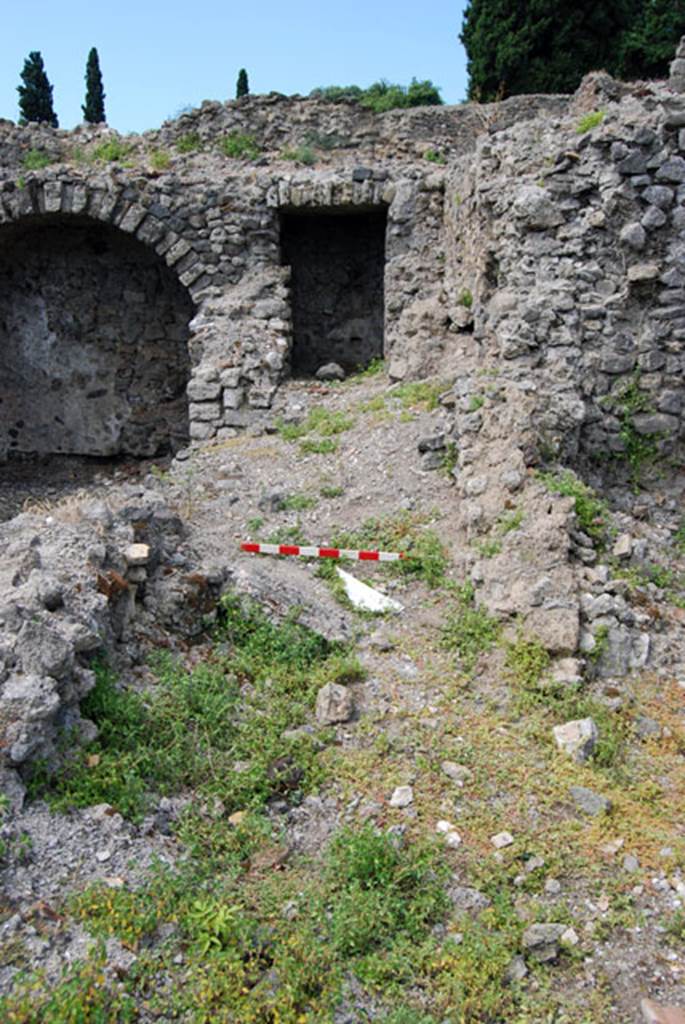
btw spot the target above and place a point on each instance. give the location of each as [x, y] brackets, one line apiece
[137, 554]
[402, 796]
[578, 739]
[364, 597]
[501, 840]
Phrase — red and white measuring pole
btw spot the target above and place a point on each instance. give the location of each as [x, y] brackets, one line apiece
[312, 552]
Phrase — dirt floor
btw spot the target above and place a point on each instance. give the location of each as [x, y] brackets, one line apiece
[472, 745]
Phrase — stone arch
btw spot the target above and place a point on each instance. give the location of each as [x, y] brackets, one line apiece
[94, 323]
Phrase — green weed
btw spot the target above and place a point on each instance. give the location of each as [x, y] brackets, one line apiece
[111, 152]
[591, 512]
[298, 502]
[527, 660]
[189, 143]
[301, 155]
[160, 160]
[240, 146]
[36, 160]
[590, 121]
[465, 298]
[421, 393]
[186, 732]
[469, 631]
[331, 491]
[312, 446]
[425, 555]
[488, 548]
[435, 156]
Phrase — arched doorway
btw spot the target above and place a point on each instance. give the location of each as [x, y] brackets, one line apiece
[93, 341]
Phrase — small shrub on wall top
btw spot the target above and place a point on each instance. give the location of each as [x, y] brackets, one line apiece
[240, 146]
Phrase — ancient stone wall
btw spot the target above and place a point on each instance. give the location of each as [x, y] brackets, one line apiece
[214, 221]
[93, 342]
[567, 243]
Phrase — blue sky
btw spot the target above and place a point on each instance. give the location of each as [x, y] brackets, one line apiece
[157, 58]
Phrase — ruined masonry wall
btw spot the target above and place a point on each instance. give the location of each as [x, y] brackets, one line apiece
[214, 221]
[572, 246]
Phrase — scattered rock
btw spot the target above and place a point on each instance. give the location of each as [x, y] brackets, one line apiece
[516, 970]
[541, 941]
[333, 704]
[402, 796]
[590, 802]
[458, 773]
[501, 840]
[330, 371]
[578, 738]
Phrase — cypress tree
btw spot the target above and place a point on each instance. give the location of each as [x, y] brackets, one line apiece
[94, 107]
[526, 46]
[242, 87]
[35, 95]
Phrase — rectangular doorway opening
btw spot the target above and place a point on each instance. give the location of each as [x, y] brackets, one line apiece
[337, 261]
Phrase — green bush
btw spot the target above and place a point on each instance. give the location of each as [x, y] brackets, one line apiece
[382, 96]
[591, 512]
[112, 151]
[239, 146]
[301, 155]
[36, 159]
[189, 143]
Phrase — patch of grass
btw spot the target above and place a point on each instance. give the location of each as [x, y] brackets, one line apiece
[469, 631]
[320, 421]
[36, 160]
[301, 155]
[465, 298]
[191, 729]
[476, 402]
[381, 894]
[331, 491]
[675, 926]
[434, 156]
[112, 151]
[312, 446]
[592, 513]
[590, 121]
[82, 994]
[255, 524]
[509, 521]
[160, 160]
[639, 450]
[426, 557]
[527, 660]
[679, 536]
[189, 143]
[239, 146]
[419, 393]
[299, 502]
[373, 368]
[488, 548]
[450, 459]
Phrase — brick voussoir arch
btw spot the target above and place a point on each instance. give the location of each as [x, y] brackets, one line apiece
[117, 205]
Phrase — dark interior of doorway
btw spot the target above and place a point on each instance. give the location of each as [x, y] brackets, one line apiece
[337, 262]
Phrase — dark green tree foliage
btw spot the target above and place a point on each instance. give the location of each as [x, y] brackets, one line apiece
[242, 88]
[35, 94]
[382, 95]
[528, 46]
[649, 47]
[94, 107]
